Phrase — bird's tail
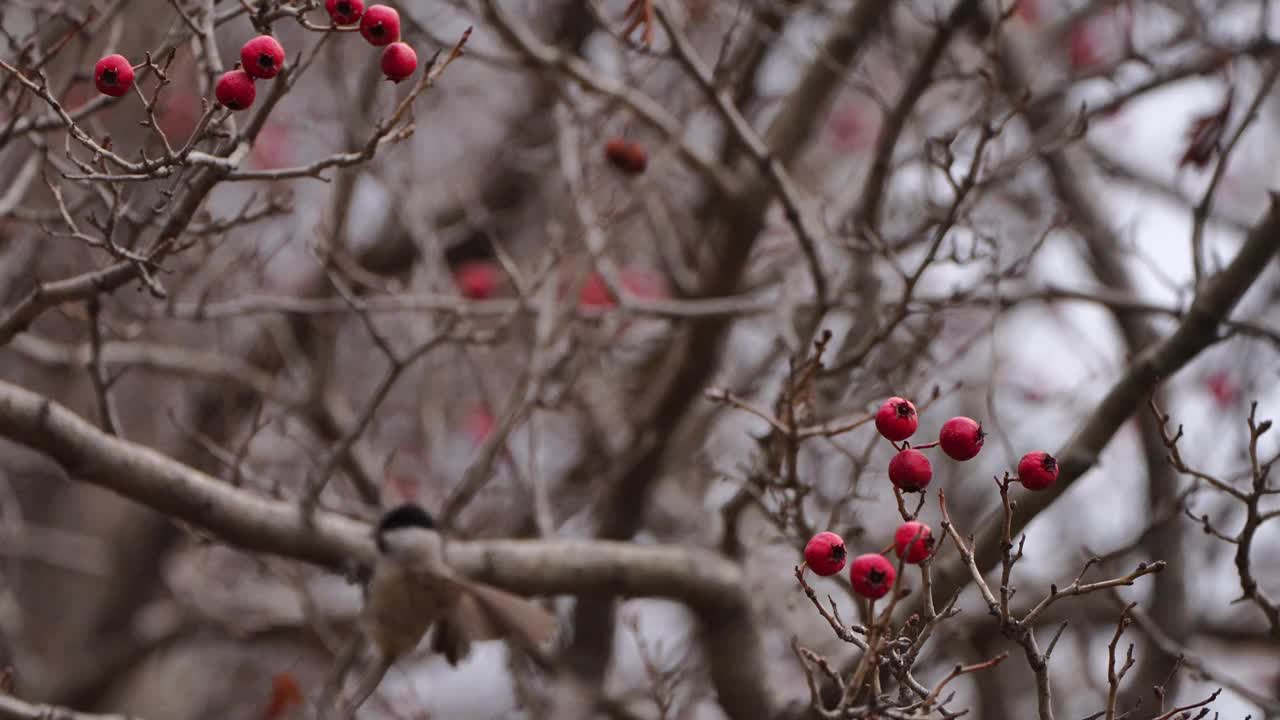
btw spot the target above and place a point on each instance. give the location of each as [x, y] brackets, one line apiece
[487, 613]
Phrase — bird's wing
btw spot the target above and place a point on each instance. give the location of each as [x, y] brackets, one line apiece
[505, 616]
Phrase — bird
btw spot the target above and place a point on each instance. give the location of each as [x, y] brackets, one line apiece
[412, 588]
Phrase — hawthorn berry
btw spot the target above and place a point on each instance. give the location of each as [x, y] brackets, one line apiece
[477, 280]
[896, 419]
[629, 157]
[1037, 470]
[872, 575]
[1082, 47]
[399, 61]
[344, 12]
[235, 90]
[113, 75]
[913, 542]
[1224, 388]
[262, 57]
[961, 438]
[825, 554]
[480, 424]
[910, 470]
[644, 283]
[595, 293]
[380, 25]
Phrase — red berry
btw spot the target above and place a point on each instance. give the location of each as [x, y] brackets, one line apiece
[262, 57]
[628, 157]
[399, 61]
[344, 12]
[910, 470]
[477, 280]
[896, 419]
[1224, 388]
[825, 554]
[380, 25]
[913, 541]
[961, 438]
[113, 75]
[595, 293]
[480, 424]
[1037, 470]
[644, 283]
[1027, 10]
[872, 575]
[1082, 47]
[235, 90]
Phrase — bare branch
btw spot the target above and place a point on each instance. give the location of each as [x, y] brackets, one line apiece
[1196, 332]
[11, 708]
[711, 585]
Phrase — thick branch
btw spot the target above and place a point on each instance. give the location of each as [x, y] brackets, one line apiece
[1197, 331]
[11, 708]
[739, 218]
[710, 584]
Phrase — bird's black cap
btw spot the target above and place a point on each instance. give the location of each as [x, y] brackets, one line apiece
[408, 515]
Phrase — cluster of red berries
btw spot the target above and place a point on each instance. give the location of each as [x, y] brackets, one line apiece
[262, 58]
[872, 574]
[380, 26]
[629, 157]
[960, 438]
[481, 279]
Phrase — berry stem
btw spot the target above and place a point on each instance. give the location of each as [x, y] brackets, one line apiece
[887, 548]
[926, 446]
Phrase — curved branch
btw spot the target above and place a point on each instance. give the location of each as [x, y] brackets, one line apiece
[711, 585]
[1197, 331]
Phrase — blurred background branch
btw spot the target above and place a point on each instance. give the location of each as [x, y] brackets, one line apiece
[616, 289]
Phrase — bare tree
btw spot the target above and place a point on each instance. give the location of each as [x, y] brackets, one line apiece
[617, 290]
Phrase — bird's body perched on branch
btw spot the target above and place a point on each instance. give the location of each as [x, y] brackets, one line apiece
[412, 587]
